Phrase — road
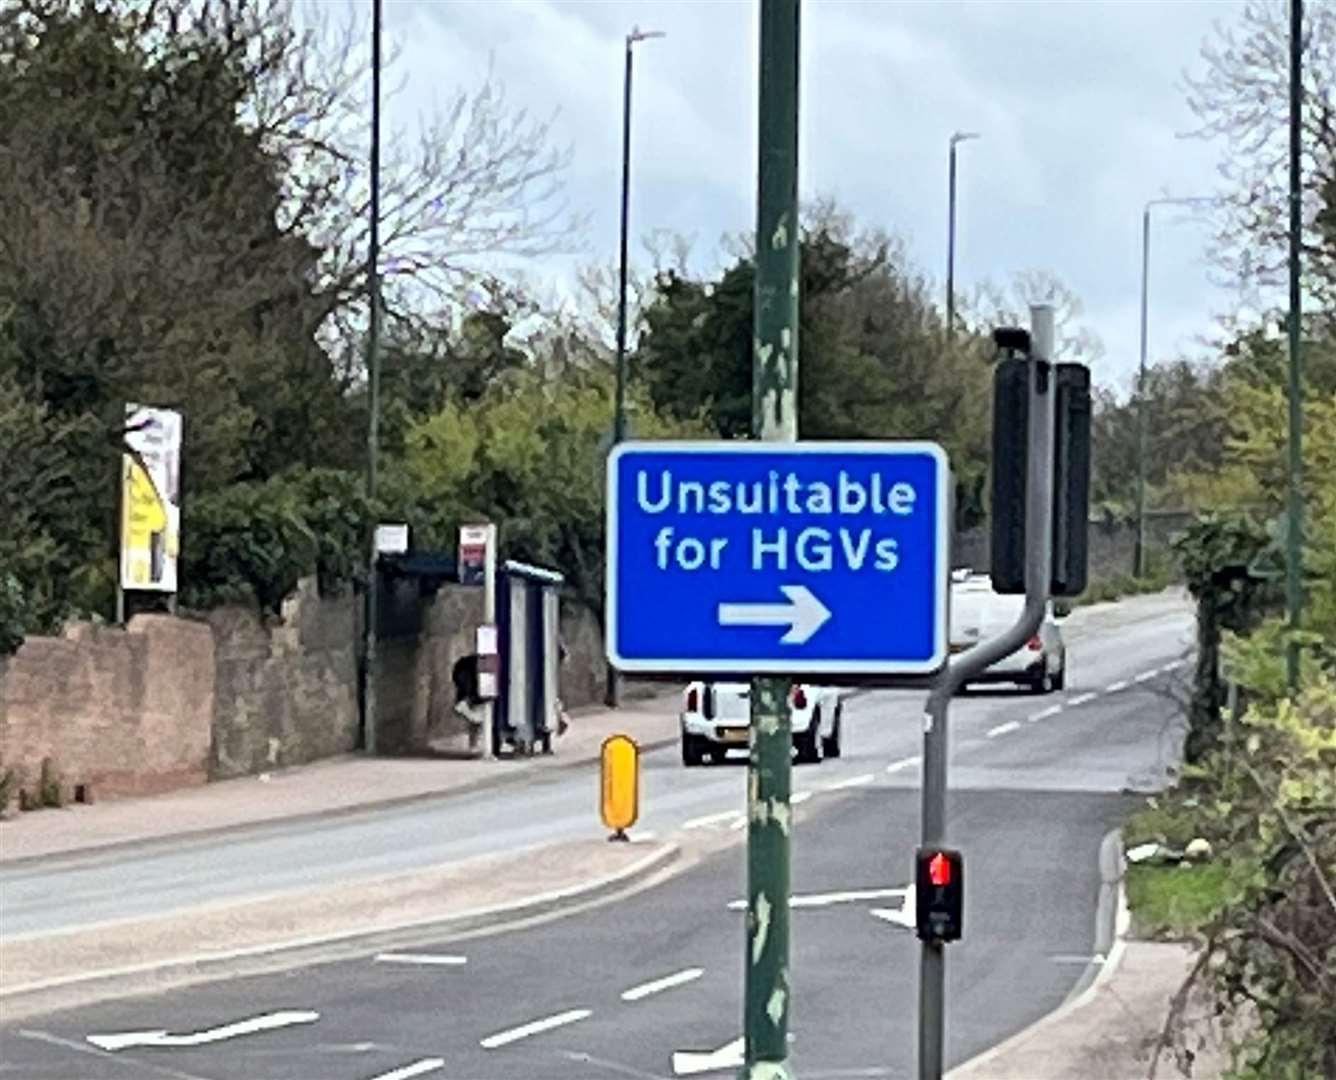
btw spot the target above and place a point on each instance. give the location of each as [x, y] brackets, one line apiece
[1037, 784]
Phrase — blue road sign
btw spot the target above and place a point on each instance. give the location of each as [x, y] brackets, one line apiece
[778, 558]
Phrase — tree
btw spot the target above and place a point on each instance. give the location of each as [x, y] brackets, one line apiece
[1243, 98]
[874, 362]
[997, 305]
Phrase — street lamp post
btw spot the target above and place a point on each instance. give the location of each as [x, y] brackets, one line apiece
[612, 695]
[1142, 419]
[957, 138]
[619, 419]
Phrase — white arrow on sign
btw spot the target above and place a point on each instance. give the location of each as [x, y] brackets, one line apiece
[804, 614]
[124, 1040]
[690, 1063]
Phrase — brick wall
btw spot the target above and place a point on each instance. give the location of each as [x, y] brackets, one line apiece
[122, 712]
[286, 688]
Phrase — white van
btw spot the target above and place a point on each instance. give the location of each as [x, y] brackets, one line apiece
[715, 719]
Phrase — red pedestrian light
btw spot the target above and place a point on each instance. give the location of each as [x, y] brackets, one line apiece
[939, 870]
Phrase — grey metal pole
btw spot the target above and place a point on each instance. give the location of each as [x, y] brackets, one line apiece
[951, 245]
[372, 607]
[768, 986]
[1038, 572]
[1294, 551]
[619, 417]
[1140, 556]
[956, 139]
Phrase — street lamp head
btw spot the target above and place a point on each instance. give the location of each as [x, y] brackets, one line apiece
[964, 136]
[638, 34]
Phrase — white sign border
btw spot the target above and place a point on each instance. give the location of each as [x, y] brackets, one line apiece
[751, 665]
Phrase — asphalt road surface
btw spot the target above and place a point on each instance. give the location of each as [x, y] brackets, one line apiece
[651, 986]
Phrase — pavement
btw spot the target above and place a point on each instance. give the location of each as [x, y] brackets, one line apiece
[406, 848]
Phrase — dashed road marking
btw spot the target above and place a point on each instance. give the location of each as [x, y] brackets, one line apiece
[1145, 676]
[426, 959]
[1117, 687]
[534, 1027]
[853, 781]
[657, 986]
[1004, 729]
[903, 763]
[800, 797]
[710, 819]
[1045, 714]
[1083, 699]
[418, 1068]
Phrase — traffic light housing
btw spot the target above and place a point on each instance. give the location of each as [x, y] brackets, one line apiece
[939, 894]
[1071, 467]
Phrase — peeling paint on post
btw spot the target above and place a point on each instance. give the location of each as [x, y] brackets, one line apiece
[774, 419]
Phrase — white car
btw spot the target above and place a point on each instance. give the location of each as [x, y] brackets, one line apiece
[978, 613]
[716, 716]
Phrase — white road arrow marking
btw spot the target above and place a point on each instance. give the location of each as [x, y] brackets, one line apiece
[123, 1040]
[804, 614]
[819, 900]
[690, 1063]
[906, 916]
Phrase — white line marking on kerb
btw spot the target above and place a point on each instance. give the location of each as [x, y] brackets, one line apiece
[903, 763]
[1045, 714]
[1083, 699]
[853, 781]
[657, 986]
[418, 1068]
[1117, 687]
[710, 819]
[1004, 729]
[536, 1027]
[1145, 676]
[426, 959]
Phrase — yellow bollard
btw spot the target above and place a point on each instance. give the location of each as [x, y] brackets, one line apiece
[620, 805]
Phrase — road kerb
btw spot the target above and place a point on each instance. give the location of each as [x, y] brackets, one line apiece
[1106, 929]
[48, 995]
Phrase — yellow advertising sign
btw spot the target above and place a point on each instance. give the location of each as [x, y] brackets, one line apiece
[150, 499]
[620, 805]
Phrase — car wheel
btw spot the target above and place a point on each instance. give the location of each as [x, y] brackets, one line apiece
[809, 742]
[831, 746]
[692, 754]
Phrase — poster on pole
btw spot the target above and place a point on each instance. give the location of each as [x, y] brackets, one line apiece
[150, 499]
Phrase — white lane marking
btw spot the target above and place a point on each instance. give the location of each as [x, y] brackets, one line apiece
[1146, 676]
[442, 959]
[906, 916]
[903, 763]
[267, 1022]
[800, 797]
[1045, 714]
[853, 781]
[689, 1063]
[710, 819]
[819, 900]
[1172, 666]
[146, 1068]
[739, 823]
[535, 1027]
[1004, 729]
[657, 986]
[1117, 687]
[1082, 699]
[418, 1068]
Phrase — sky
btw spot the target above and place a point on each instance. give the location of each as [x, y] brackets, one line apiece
[1080, 105]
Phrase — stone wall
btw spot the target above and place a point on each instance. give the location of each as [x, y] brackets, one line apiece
[118, 712]
[286, 688]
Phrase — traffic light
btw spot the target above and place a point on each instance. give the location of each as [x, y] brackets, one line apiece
[1071, 466]
[939, 894]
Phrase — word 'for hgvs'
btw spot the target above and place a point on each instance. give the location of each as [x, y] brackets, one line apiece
[814, 548]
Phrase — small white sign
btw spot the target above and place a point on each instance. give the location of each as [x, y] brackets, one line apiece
[485, 641]
[391, 539]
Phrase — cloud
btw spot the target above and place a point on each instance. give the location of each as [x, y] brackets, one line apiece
[1080, 107]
